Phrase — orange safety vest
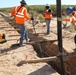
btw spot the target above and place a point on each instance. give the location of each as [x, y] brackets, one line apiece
[21, 15]
[73, 19]
[47, 15]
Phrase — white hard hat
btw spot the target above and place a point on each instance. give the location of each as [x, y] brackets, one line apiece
[47, 5]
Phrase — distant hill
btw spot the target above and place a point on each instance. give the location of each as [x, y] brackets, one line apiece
[38, 8]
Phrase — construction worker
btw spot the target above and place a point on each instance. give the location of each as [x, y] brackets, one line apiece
[2, 38]
[70, 11]
[48, 16]
[72, 19]
[20, 14]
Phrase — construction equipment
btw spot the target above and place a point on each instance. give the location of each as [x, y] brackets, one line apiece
[2, 38]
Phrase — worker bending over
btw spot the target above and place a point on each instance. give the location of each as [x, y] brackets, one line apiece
[71, 19]
[20, 14]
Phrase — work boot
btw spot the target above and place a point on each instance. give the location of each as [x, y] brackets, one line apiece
[47, 33]
[20, 45]
[28, 40]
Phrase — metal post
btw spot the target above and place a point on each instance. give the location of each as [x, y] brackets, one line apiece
[59, 32]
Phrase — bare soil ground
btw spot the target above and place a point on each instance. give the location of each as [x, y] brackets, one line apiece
[11, 56]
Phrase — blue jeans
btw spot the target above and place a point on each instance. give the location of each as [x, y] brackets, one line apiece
[23, 32]
[48, 25]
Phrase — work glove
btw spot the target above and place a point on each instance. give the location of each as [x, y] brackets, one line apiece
[49, 10]
[32, 18]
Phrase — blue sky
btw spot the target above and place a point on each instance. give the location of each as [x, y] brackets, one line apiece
[11, 3]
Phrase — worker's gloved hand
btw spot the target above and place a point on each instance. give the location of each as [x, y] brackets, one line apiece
[32, 18]
[49, 10]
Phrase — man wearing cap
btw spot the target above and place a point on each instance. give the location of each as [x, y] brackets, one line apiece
[20, 14]
[48, 17]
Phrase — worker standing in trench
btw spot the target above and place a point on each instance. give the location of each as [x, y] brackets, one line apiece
[48, 16]
[20, 14]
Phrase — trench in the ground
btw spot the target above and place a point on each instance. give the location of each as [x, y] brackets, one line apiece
[45, 49]
[45, 53]
[50, 48]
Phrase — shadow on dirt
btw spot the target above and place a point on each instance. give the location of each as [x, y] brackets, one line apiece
[43, 71]
[13, 47]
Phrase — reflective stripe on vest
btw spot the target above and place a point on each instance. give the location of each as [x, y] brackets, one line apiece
[70, 19]
[19, 14]
[73, 19]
